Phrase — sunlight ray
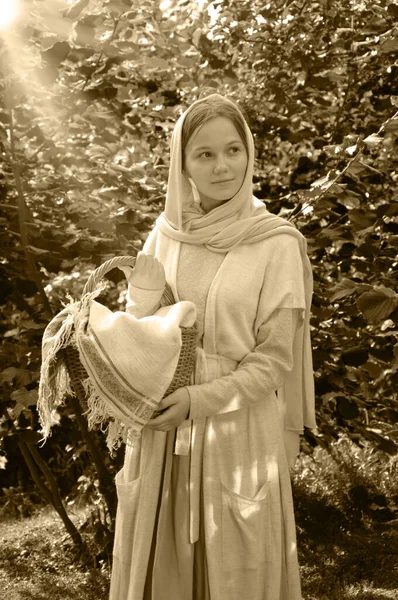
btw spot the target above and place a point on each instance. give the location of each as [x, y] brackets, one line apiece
[9, 12]
[26, 75]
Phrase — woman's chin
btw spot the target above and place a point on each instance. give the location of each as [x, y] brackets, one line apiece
[216, 203]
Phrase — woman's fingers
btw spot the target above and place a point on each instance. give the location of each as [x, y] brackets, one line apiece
[127, 272]
[160, 423]
[157, 272]
[148, 273]
[175, 410]
[140, 263]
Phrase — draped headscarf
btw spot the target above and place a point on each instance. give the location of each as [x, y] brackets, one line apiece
[241, 220]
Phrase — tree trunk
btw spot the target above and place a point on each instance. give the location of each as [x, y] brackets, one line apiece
[35, 462]
[106, 483]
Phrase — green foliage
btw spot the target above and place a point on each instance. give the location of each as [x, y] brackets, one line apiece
[358, 481]
[346, 509]
[90, 94]
[16, 503]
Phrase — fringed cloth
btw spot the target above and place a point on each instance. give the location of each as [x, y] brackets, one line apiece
[130, 364]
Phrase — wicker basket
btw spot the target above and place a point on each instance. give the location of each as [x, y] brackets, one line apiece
[189, 336]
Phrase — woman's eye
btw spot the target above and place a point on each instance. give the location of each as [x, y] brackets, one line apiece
[232, 150]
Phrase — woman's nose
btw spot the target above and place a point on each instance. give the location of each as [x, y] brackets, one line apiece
[220, 166]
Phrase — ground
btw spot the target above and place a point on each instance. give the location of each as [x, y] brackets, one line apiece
[36, 563]
[343, 559]
[339, 560]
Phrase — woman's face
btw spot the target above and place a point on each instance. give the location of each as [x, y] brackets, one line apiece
[216, 161]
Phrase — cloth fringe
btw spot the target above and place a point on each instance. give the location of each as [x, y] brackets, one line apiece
[97, 414]
[55, 384]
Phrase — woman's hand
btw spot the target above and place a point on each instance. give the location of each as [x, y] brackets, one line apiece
[148, 273]
[176, 410]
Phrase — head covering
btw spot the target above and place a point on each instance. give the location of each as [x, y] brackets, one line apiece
[243, 219]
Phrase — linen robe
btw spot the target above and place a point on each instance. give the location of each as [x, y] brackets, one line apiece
[238, 470]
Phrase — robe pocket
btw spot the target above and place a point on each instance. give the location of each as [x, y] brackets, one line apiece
[246, 529]
[126, 517]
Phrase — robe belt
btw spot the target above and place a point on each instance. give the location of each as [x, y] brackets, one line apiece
[184, 431]
[190, 437]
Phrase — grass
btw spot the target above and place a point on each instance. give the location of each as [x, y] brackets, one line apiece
[348, 550]
[340, 561]
[36, 562]
[347, 525]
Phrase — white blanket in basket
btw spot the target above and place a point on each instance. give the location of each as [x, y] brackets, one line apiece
[130, 363]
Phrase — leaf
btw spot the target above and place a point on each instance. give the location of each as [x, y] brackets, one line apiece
[153, 62]
[346, 287]
[196, 36]
[356, 168]
[322, 182]
[102, 226]
[48, 17]
[11, 333]
[373, 140]
[387, 324]
[378, 304]
[385, 443]
[333, 150]
[355, 357]
[8, 374]
[362, 219]
[347, 408]
[390, 45]
[38, 251]
[391, 125]
[29, 324]
[23, 398]
[351, 149]
[337, 75]
[367, 250]
[333, 233]
[374, 369]
[116, 9]
[74, 11]
[393, 10]
[56, 55]
[350, 200]
[84, 33]
[188, 61]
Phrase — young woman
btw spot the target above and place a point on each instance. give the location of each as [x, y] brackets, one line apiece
[205, 508]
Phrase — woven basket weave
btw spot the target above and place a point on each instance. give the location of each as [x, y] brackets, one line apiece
[189, 335]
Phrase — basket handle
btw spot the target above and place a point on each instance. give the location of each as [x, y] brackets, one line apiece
[97, 274]
[119, 261]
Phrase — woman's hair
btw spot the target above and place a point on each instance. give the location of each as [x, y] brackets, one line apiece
[208, 109]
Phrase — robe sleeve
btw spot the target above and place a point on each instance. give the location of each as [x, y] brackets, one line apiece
[261, 371]
[142, 303]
